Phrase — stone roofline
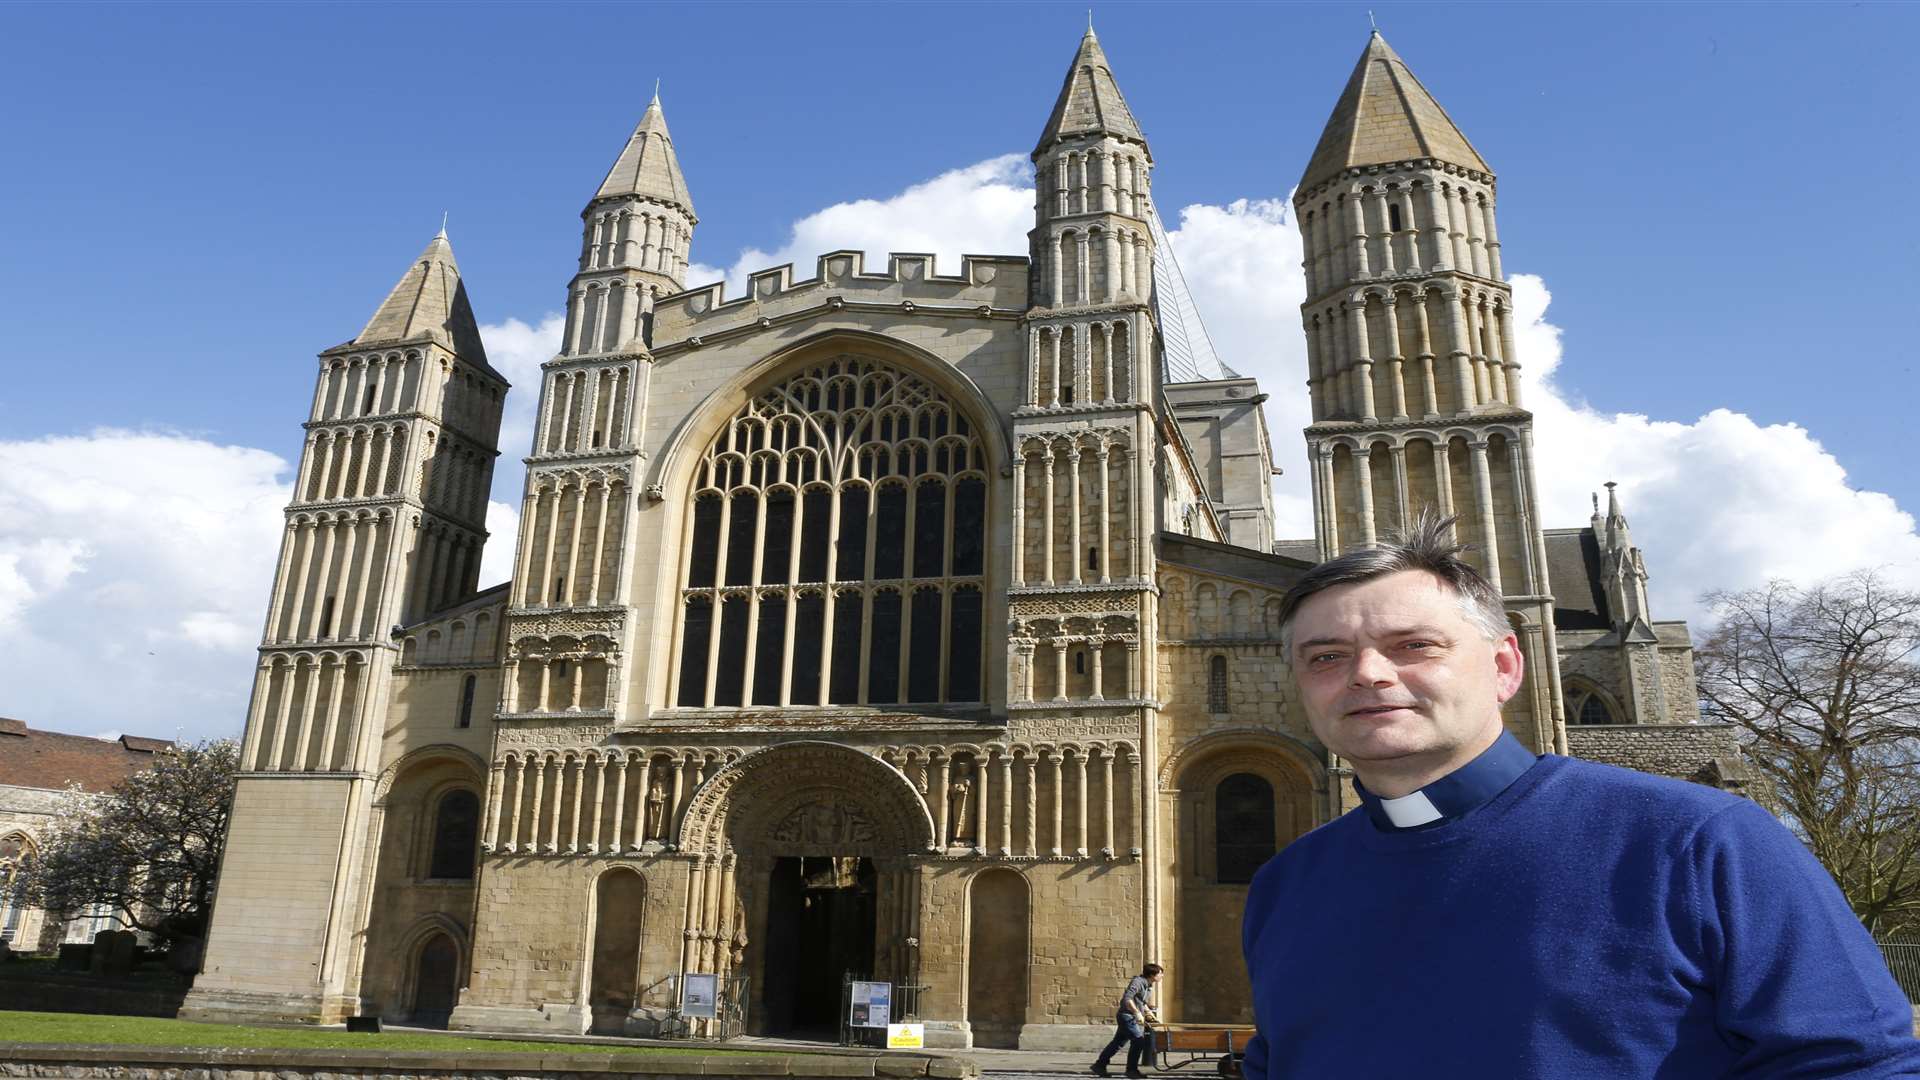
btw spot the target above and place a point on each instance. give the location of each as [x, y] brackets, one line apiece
[1347, 175]
[987, 285]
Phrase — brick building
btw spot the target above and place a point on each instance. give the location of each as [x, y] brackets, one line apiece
[36, 768]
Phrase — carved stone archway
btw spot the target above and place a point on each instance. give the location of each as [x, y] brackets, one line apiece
[808, 798]
[788, 806]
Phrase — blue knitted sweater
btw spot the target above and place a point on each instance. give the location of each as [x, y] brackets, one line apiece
[1587, 921]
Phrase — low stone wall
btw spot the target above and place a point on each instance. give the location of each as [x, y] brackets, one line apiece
[207, 1063]
[1678, 750]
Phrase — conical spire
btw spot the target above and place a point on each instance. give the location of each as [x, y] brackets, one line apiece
[647, 168]
[1090, 101]
[1385, 116]
[430, 299]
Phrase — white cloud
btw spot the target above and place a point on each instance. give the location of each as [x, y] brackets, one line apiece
[1719, 503]
[134, 572]
[983, 209]
[503, 529]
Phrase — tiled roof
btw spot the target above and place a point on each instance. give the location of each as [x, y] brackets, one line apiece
[648, 167]
[430, 299]
[48, 759]
[1090, 101]
[1385, 116]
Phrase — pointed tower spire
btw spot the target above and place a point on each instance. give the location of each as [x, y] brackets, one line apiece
[637, 230]
[1090, 103]
[1386, 116]
[647, 167]
[430, 300]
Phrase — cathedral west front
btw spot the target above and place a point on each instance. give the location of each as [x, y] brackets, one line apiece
[906, 621]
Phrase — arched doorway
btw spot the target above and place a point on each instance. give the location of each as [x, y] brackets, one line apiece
[436, 981]
[804, 878]
[1239, 802]
[619, 899]
[997, 956]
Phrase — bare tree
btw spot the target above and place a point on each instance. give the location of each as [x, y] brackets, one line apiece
[149, 849]
[1824, 685]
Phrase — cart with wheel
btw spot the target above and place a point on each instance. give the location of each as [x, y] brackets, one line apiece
[1179, 1046]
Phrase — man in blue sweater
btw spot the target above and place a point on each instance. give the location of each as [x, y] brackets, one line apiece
[1490, 914]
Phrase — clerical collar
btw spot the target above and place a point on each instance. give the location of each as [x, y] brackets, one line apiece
[1454, 794]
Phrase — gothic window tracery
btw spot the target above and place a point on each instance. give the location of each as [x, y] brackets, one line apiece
[836, 547]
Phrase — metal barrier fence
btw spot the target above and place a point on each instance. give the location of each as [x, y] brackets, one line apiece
[1903, 959]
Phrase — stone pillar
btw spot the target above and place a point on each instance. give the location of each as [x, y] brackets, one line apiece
[1363, 472]
[1483, 491]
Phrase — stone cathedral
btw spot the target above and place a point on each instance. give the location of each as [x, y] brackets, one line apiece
[906, 621]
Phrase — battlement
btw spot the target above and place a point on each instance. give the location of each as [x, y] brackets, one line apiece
[986, 285]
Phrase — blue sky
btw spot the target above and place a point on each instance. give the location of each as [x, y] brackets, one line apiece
[199, 198]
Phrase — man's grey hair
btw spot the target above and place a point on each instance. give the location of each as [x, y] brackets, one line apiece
[1426, 545]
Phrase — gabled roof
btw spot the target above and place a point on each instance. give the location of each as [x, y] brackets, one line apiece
[647, 166]
[1090, 101]
[49, 760]
[1384, 116]
[430, 299]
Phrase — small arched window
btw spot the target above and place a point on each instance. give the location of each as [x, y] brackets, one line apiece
[1591, 708]
[1393, 217]
[466, 703]
[456, 825]
[367, 409]
[1217, 685]
[1079, 662]
[1243, 827]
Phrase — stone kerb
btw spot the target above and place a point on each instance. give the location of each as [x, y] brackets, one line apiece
[987, 286]
[219, 1063]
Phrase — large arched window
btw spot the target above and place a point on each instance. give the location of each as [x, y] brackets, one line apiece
[456, 823]
[1243, 832]
[836, 547]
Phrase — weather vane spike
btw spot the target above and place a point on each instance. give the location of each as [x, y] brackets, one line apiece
[1089, 20]
[656, 88]
[1371, 22]
[443, 223]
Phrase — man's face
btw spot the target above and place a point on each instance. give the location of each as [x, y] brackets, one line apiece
[1396, 680]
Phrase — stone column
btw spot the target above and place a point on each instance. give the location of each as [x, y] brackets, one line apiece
[1395, 362]
[1483, 490]
[1106, 514]
[1363, 472]
[1106, 793]
[1462, 366]
[496, 791]
[1006, 803]
[1046, 548]
[942, 829]
[1358, 219]
[1019, 517]
[599, 802]
[1398, 454]
[1080, 836]
[1032, 766]
[1073, 512]
[1058, 777]
[1362, 362]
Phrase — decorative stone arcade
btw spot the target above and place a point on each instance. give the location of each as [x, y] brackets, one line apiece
[806, 810]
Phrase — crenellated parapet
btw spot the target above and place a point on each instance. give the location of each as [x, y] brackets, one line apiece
[986, 287]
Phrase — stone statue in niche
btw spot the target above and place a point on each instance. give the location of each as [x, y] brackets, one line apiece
[738, 942]
[656, 809]
[959, 793]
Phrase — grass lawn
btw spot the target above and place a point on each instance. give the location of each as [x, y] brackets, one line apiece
[39, 1027]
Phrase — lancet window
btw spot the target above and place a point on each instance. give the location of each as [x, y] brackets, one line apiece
[836, 548]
